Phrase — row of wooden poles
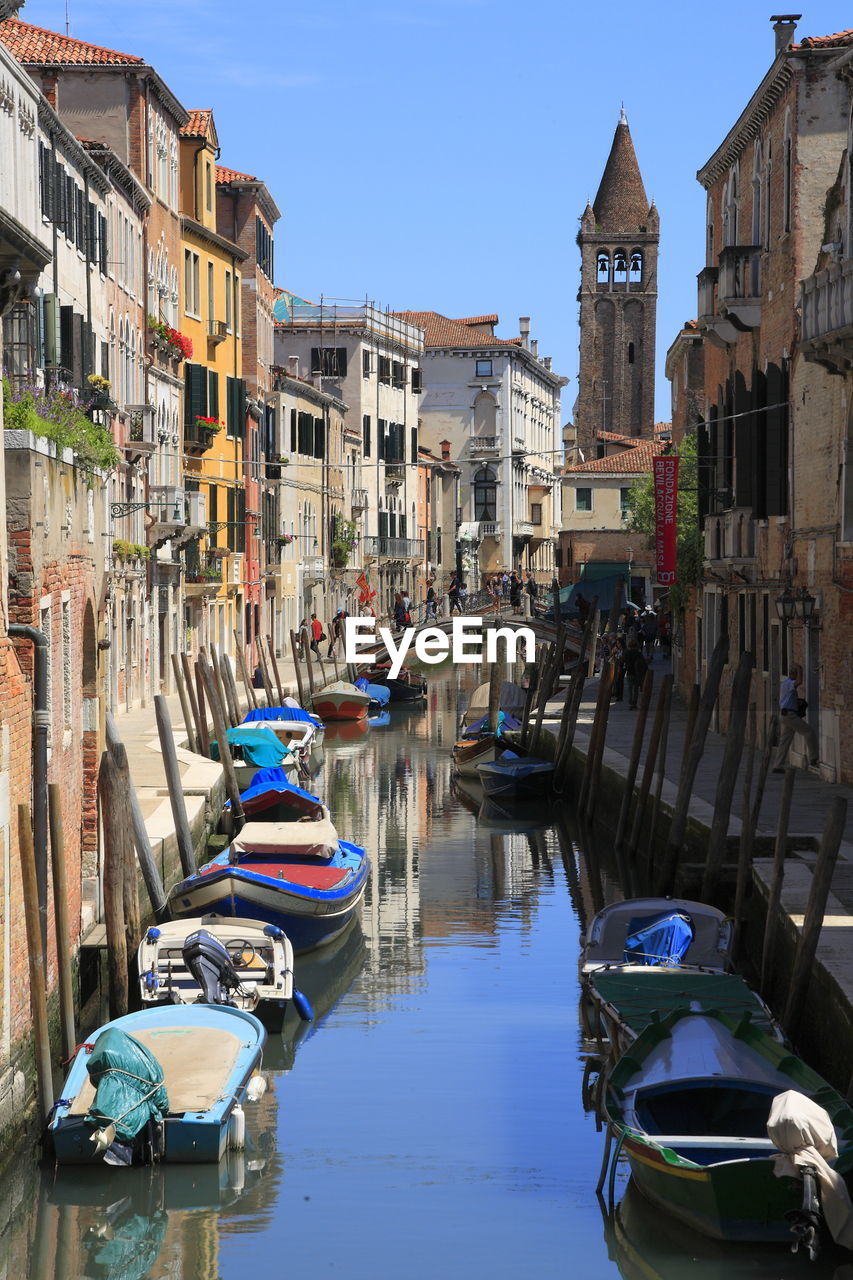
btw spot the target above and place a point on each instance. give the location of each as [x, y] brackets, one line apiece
[636, 832]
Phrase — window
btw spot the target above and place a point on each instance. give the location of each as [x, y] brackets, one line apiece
[485, 494]
[787, 160]
[235, 407]
[620, 267]
[208, 187]
[192, 283]
[636, 273]
[264, 248]
[331, 362]
[229, 300]
[630, 353]
[211, 293]
[583, 499]
[603, 267]
[625, 502]
[365, 364]
[365, 434]
[398, 373]
[417, 381]
[483, 369]
[237, 307]
[414, 435]
[536, 513]
[385, 369]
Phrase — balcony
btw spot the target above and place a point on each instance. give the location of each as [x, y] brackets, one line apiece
[313, 569]
[196, 514]
[234, 576]
[739, 286]
[489, 529]
[523, 528]
[483, 446]
[826, 303]
[166, 503]
[707, 303]
[204, 578]
[217, 331]
[141, 439]
[198, 438]
[730, 537]
[385, 548]
[395, 473]
[358, 501]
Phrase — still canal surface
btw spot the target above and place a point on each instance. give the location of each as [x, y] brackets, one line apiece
[429, 1124]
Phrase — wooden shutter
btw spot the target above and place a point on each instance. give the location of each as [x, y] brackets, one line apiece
[91, 233]
[365, 433]
[212, 393]
[319, 438]
[380, 437]
[414, 457]
[240, 539]
[744, 473]
[103, 254]
[293, 438]
[777, 441]
[230, 414]
[195, 393]
[213, 505]
[231, 517]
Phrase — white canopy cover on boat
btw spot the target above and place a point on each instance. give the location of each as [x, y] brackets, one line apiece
[804, 1134]
[317, 838]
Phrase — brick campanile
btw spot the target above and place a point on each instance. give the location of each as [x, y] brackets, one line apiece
[618, 239]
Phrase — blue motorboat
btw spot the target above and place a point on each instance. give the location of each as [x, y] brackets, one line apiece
[380, 694]
[279, 800]
[163, 1084]
[298, 875]
[516, 776]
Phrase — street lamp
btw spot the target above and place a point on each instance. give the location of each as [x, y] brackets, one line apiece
[799, 605]
[786, 605]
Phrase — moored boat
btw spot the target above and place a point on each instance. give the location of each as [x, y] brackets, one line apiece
[516, 777]
[690, 1105]
[298, 875]
[469, 753]
[161, 1084]
[340, 700]
[406, 686]
[244, 963]
[272, 794]
[296, 728]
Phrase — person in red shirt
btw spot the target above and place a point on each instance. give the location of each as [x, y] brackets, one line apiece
[316, 633]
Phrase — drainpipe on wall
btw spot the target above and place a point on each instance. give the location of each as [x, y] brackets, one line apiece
[21, 631]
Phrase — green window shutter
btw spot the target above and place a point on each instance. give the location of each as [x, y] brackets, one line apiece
[212, 393]
[240, 532]
[229, 406]
[231, 517]
[195, 393]
[319, 438]
[380, 437]
[241, 407]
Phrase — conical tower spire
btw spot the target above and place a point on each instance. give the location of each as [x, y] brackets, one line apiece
[621, 203]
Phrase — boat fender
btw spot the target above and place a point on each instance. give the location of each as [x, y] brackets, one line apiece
[302, 1005]
[237, 1129]
[256, 1088]
[273, 931]
[152, 935]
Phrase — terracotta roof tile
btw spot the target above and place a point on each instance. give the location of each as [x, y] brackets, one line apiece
[36, 46]
[616, 439]
[233, 175]
[441, 331]
[198, 123]
[631, 461]
[839, 39]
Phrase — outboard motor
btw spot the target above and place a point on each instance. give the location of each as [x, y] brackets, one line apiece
[210, 964]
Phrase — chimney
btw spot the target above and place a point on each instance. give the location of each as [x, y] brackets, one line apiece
[445, 450]
[546, 360]
[524, 330]
[534, 349]
[784, 26]
[293, 366]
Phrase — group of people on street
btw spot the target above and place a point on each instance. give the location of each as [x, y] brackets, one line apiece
[311, 633]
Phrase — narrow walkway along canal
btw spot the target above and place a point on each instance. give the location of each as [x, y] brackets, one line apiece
[429, 1124]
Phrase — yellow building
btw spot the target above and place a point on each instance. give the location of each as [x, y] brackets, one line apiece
[214, 433]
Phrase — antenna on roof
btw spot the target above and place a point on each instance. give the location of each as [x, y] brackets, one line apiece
[67, 20]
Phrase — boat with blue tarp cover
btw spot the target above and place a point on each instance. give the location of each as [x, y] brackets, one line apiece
[256, 744]
[380, 694]
[166, 1084]
[516, 776]
[298, 729]
[298, 875]
[645, 957]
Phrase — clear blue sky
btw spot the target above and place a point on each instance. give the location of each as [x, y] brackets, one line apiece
[437, 154]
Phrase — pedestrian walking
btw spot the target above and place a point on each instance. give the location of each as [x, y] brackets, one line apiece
[531, 589]
[515, 592]
[317, 633]
[635, 671]
[649, 630]
[431, 609]
[463, 596]
[336, 631]
[792, 709]
[505, 584]
[400, 613]
[453, 594]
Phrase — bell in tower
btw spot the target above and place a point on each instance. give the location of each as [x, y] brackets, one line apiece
[619, 236]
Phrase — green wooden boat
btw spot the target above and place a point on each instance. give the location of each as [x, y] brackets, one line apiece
[689, 1105]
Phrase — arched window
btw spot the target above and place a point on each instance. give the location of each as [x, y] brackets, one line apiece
[121, 367]
[730, 216]
[636, 272]
[603, 267]
[485, 414]
[630, 353]
[788, 162]
[709, 233]
[620, 267]
[768, 204]
[485, 494]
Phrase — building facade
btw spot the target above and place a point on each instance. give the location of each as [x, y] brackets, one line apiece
[496, 404]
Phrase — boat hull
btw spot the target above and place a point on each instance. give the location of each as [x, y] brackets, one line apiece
[238, 892]
[738, 1200]
[191, 1134]
[469, 753]
[341, 706]
[503, 779]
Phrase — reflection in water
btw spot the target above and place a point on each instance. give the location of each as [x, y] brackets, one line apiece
[434, 1104]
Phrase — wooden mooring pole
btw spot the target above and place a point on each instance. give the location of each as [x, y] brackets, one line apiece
[601, 736]
[186, 710]
[294, 648]
[777, 876]
[115, 833]
[251, 700]
[274, 665]
[60, 908]
[220, 729]
[634, 761]
[827, 854]
[602, 708]
[173, 782]
[732, 752]
[202, 711]
[144, 853]
[193, 701]
[678, 825]
[35, 952]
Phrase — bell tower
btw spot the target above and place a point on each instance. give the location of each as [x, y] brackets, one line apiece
[618, 239]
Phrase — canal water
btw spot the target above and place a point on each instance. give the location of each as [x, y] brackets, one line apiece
[429, 1123]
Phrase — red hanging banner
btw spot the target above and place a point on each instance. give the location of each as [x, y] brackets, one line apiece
[666, 507]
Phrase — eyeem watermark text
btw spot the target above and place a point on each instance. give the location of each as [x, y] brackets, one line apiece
[468, 642]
